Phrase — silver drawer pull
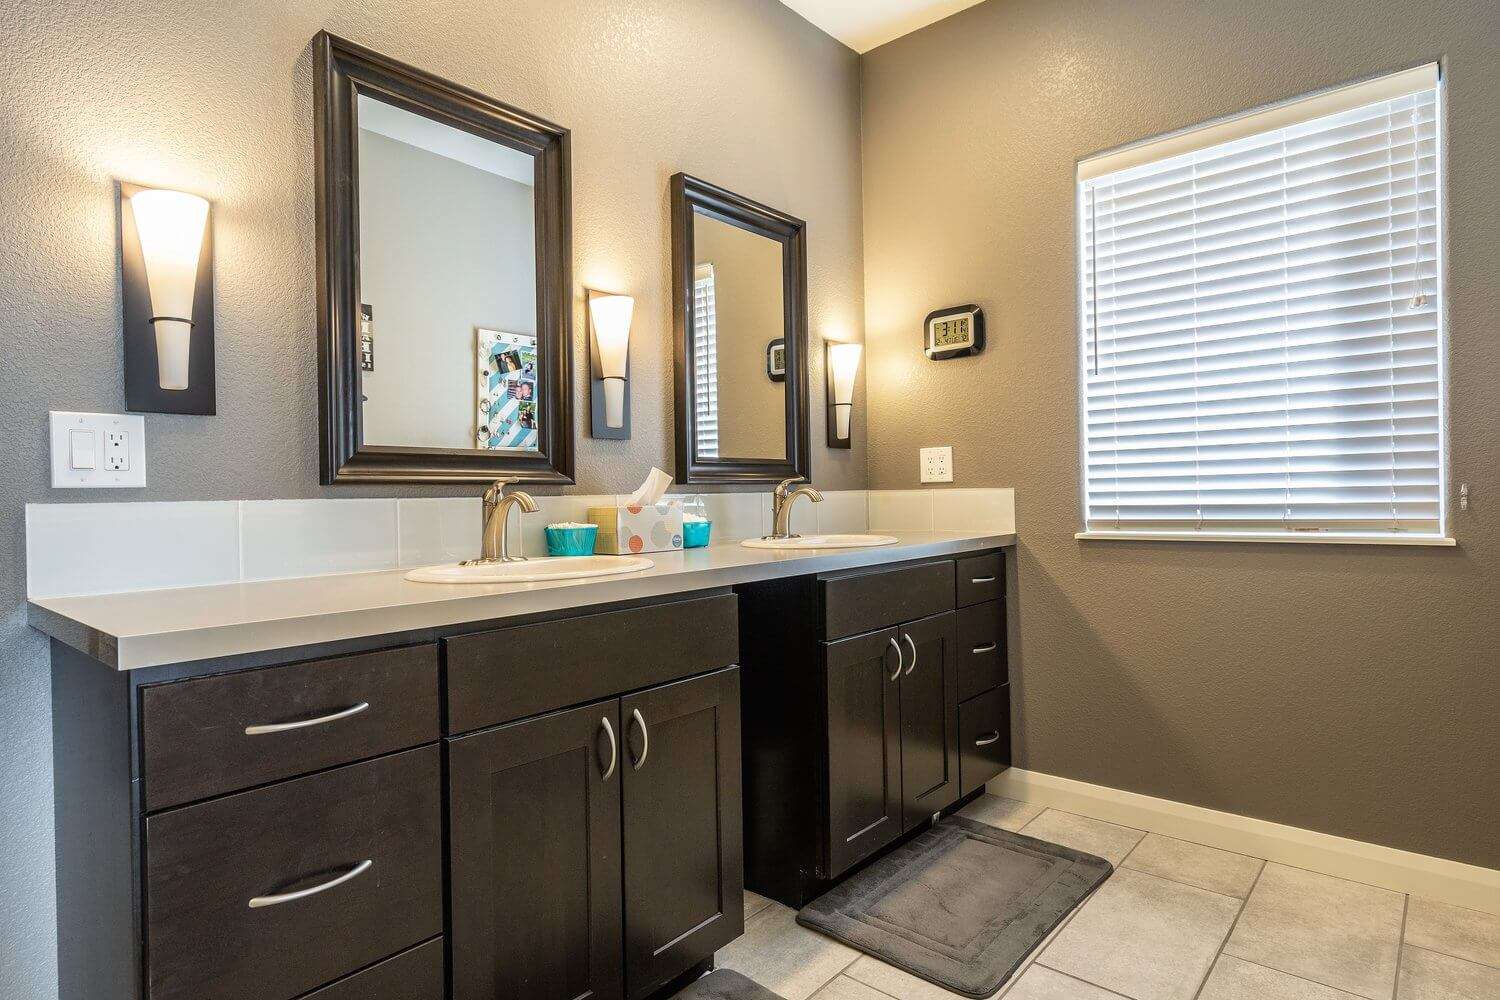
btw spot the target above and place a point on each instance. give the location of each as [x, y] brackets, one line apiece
[992, 737]
[645, 738]
[900, 659]
[982, 579]
[290, 897]
[988, 647]
[907, 637]
[614, 748]
[281, 727]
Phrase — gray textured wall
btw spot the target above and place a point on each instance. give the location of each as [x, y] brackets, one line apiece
[1352, 690]
[217, 98]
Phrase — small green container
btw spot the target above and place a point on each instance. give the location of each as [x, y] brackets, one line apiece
[695, 534]
[565, 541]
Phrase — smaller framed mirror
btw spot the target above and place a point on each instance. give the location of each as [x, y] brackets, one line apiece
[444, 276]
[739, 311]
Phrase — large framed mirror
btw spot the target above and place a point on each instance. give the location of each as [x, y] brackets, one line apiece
[444, 256]
[739, 311]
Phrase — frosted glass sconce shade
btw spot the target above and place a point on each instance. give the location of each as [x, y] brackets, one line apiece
[843, 367]
[609, 323]
[170, 225]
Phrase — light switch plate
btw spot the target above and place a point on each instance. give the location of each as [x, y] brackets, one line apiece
[118, 450]
[937, 465]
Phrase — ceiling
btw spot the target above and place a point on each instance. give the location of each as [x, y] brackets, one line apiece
[864, 24]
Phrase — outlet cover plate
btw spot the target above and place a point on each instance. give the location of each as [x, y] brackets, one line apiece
[119, 440]
[937, 465]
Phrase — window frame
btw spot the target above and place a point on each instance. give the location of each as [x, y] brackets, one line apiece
[1253, 122]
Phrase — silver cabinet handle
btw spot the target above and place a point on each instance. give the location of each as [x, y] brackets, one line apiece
[288, 897]
[988, 647]
[614, 748]
[645, 738]
[900, 660]
[282, 727]
[907, 637]
[992, 737]
[982, 579]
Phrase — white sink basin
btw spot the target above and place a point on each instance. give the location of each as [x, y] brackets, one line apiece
[819, 542]
[531, 570]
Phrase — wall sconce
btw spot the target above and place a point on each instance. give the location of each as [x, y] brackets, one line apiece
[609, 336]
[842, 363]
[166, 254]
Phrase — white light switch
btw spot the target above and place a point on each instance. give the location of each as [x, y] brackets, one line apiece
[937, 465]
[98, 450]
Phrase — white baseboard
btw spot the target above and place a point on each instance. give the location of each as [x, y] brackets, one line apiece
[1403, 871]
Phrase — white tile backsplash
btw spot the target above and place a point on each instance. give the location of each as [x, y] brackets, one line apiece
[101, 548]
[286, 538]
[95, 548]
[901, 510]
[438, 530]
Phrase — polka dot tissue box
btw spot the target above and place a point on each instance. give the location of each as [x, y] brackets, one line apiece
[638, 527]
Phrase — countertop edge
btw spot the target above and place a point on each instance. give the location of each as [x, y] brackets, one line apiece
[124, 652]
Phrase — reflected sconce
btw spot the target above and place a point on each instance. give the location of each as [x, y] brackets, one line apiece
[166, 255]
[842, 364]
[609, 340]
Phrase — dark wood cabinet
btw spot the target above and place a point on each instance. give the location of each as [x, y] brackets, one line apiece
[534, 844]
[929, 719]
[681, 828]
[852, 740]
[863, 684]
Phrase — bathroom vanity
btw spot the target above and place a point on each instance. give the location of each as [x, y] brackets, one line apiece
[397, 790]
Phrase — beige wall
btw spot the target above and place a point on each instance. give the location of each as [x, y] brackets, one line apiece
[1352, 690]
[748, 315]
[217, 98]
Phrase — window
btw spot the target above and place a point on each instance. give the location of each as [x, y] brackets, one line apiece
[705, 363]
[1261, 318]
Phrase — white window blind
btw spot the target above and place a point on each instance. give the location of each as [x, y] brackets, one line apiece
[1261, 325]
[705, 363]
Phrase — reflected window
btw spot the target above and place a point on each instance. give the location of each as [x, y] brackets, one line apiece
[705, 362]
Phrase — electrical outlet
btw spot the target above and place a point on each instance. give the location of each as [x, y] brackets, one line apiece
[937, 465]
[98, 450]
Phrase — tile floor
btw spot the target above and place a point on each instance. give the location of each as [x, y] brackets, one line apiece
[1176, 921]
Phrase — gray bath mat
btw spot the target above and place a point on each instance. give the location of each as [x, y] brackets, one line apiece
[725, 984]
[961, 905]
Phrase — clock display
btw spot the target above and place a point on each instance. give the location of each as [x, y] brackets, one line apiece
[950, 332]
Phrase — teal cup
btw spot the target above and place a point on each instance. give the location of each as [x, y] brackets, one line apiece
[562, 541]
[695, 534]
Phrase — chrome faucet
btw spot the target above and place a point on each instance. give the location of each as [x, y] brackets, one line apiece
[497, 504]
[781, 506]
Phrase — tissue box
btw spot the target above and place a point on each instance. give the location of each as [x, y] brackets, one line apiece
[637, 528]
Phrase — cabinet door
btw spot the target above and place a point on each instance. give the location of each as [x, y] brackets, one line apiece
[684, 860]
[929, 718]
[534, 838]
[863, 676]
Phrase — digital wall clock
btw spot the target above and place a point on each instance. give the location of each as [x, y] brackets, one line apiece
[953, 332]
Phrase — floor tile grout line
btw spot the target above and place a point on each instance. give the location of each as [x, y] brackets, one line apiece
[1218, 952]
[1449, 954]
[1167, 878]
[1401, 945]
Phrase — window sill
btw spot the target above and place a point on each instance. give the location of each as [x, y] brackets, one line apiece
[1308, 538]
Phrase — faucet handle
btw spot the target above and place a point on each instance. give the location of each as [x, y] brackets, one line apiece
[784, 487]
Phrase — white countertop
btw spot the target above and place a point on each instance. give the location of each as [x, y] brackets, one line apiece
[148, 628]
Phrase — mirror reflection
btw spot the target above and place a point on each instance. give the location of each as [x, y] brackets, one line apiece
[447, 275]
[738, 339]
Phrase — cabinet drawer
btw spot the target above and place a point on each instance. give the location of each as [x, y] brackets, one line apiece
[219, 874]
[983, 738]
[863, 600]
[300, 718]
[981, 578]
[496, 677]
[981, 648]
[415, 974]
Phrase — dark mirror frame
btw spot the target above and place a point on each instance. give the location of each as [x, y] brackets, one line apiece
[344, 71]
[691, 196]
